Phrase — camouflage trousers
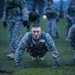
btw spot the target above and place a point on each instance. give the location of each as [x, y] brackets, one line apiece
[15, 28]
[51, 27]
[39, 5]
[68, 25]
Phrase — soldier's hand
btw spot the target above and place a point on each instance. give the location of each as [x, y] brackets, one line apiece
[25, 23]
[5, 24]
[57, 20]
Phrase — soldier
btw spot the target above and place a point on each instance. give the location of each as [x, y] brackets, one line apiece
[70, 16]
[16, 13]
[39, 5]
[37, 44]
[52, 15]
[71, 38]
[30, 4]
[33, 18]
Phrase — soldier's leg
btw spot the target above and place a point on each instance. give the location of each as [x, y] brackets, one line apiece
[68, 25]
[48, 26]
[16, 35]
[11, 28]
[41, 5]
[54, 29]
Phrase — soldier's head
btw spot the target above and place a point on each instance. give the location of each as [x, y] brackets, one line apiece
[49, 2]
[33, 10]
[36, 32]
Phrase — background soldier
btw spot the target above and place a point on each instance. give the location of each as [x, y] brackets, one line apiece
[71, 38]
[52, 14]
[15, 11]
[33, 18]
[37, 44]
[70, 16]
[39, 5]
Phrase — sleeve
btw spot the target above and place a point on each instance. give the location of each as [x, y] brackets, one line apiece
[21, 47]
[25, 12]
[44, 11]
[71, 33]
[57, 11]
[66, 14]
[51, 47]
[4, 18]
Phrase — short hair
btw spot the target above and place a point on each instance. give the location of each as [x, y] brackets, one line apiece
[36, 25]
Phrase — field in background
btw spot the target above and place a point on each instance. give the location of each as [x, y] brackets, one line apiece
[66, 53]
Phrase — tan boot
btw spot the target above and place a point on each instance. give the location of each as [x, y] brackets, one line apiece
[42, 58]
[11, 55]
[68, 40]
[33, 58]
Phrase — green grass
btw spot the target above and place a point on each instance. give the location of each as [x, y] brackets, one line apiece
[66, 53]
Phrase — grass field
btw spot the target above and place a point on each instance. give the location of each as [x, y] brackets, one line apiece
[66, 53]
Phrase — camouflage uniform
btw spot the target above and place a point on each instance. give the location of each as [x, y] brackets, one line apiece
[39, 5]
[30, 4]
[15, 11]
[71, 37]
[70, 15]
[52, 15]
[33, 18]
[36, 48]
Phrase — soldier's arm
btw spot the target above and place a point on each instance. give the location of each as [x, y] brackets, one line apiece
[51, 47]
[71, 34]
[44, 11]
[4, 18]
[21, 47]
[57, 13]
[25, 11]
[57, 10]
[66, 15]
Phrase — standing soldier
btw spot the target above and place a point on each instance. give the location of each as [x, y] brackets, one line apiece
[33, 18]
[52, 14]
[71, 38]
[39, 5]
[37, 43]
[16, 13]
[70, 16]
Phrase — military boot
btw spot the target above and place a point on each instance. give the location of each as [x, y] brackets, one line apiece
[40, 58]
[11, 55]
[56, 65]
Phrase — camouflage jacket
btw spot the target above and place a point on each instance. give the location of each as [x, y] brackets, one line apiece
[49, 43]
[70, 12]
[15, 9]
[51, 11]
[71, 35]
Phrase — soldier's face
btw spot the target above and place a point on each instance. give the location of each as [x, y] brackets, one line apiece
[36, 33]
